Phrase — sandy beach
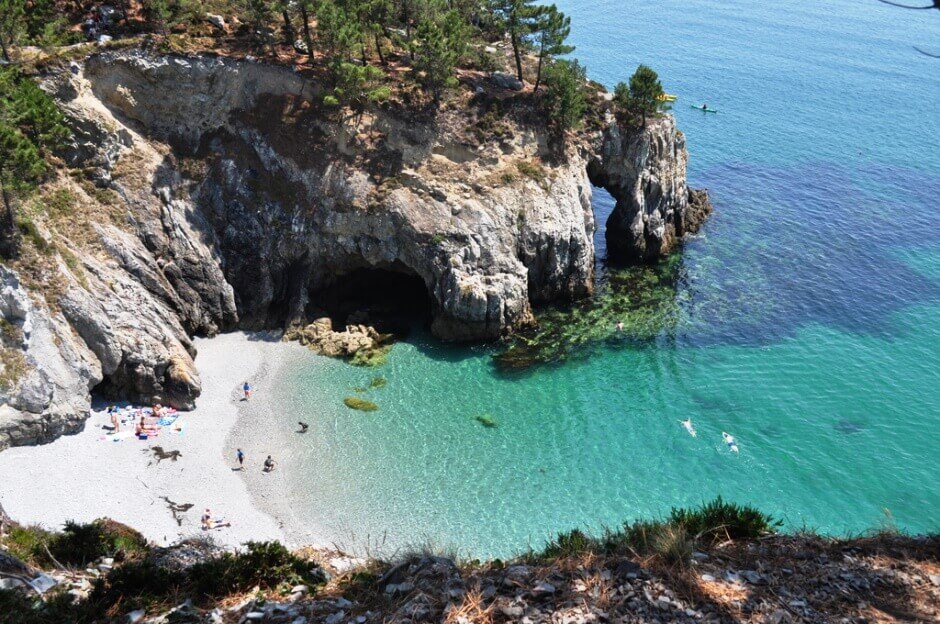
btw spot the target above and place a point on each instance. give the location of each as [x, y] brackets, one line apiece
[87, 476]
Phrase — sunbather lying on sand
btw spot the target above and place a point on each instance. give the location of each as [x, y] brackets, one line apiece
[145, 427]
[209, 523]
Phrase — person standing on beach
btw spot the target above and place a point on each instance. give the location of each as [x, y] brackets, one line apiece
[247, 390]
[241, 459]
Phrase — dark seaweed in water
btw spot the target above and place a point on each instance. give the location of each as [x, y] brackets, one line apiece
[643, 298]
[848, 427]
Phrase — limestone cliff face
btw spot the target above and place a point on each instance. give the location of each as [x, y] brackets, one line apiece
[644, 170]
[243, 200]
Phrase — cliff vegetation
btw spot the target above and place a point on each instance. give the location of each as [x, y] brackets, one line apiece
[717, 563]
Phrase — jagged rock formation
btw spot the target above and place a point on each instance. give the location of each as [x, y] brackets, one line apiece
[243, 200]
[645, 172]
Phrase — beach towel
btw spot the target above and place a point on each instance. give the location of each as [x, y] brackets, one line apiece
[167, 420]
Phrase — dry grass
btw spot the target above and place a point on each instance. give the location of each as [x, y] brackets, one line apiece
[473, 609]
[15, 367]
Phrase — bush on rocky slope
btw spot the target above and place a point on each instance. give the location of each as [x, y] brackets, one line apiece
[672, 539]
[77, 544]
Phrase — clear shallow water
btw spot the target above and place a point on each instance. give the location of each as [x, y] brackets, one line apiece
[805, 319]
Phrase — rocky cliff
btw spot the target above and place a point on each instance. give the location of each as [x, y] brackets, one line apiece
[234, 198]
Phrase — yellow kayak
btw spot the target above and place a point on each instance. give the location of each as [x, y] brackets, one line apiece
[665, 97]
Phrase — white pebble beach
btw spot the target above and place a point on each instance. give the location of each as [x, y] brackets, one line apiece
[87, 476]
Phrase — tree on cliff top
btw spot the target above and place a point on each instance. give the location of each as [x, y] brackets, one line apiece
[439, 42]
[30, 128]
[564, 98]
[551, 30]
[641, 97]
[518, 18]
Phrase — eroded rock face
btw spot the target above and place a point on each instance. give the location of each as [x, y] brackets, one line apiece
[645, 171]
[296, 198]
[242, 199]
[49, 396]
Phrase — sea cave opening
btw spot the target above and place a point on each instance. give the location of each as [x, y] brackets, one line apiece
[392, 298]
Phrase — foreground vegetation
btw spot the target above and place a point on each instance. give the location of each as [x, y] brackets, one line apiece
[139, 580]
[143, 577]
[673, 539]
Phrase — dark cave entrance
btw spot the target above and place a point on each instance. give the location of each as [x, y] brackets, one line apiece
[393, 299]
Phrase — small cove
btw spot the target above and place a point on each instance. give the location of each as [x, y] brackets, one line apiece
[805, 320]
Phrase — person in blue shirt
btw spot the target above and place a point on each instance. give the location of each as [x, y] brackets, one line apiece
[247, 390]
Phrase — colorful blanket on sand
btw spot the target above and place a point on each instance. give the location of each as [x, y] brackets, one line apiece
[167, 420]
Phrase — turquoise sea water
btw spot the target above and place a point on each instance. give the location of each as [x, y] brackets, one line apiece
[805, 319]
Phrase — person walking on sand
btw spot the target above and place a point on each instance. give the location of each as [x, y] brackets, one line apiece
[240, 456]
[268, 464]
[247, 390]
[115, 421]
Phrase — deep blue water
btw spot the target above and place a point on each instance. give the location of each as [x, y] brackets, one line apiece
[804, 319]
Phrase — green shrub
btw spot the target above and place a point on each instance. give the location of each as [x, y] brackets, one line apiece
[9, 332]
[15, 366]
[81, 544]
[672, 540]
[141, 584]
[134, 585]
[568, 544]
[564, 99]
[381, 94]
[26, 544]
[263, 564]
[59, 203]
[360, 404]
[31, 232]
[532, 171]
[718, 519]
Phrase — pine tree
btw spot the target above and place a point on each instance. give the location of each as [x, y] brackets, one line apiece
[564, 98]
[34, 112]
[338, 30]
[518, 18]
[645, 90]
[439, 42]
[551, 30]
[306, 7]
[158, 13]
[283, 7]
[30, 127]
[259, 14]
[21, 167]
[12, 25]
